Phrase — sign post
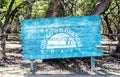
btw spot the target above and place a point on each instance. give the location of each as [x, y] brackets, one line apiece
[32, 67]
[66, 37]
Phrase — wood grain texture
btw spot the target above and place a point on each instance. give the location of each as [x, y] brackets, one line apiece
[64, 37]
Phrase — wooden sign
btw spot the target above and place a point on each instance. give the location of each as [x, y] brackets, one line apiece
[65, 37]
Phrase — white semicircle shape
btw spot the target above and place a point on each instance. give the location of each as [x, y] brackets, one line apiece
[61, 40]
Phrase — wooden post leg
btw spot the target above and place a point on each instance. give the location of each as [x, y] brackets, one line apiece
[92, 63]
[32, 67]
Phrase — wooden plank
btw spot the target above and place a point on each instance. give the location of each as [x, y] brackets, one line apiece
[64, 37]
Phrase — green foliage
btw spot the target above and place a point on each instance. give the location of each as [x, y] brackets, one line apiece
[79, 7]
[112, 12]
[2, 3]
[39, 8]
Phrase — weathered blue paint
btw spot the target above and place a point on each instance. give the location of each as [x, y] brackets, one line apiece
[64, 37]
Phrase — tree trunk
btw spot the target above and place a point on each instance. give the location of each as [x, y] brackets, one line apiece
[99, 7]
[108, 25]
[3, 36]
[118, 28]
[28, 9]
[56, 9]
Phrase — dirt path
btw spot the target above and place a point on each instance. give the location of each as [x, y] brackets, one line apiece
[15, 67]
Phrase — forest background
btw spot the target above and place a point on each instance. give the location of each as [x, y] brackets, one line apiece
[13, 11]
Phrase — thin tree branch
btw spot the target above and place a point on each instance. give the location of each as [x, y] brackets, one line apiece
[3, 38]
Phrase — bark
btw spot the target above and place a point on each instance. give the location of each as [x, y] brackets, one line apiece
[99, 7]
[3, 36]
[28, 9]
[108, 26]
[27, 3]
[118, 47]
[56, 9]
[13, 13]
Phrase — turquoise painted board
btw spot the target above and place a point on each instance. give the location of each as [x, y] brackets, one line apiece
[64, 37]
